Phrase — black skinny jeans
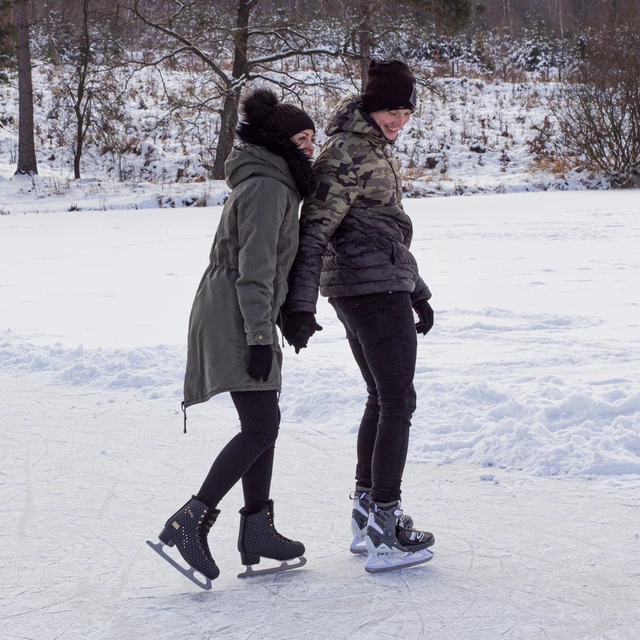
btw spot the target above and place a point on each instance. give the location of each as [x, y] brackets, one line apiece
[248, 455]
[382, 335]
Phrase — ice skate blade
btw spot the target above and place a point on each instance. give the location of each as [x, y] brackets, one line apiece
[358, 545]
[382, 563]
[250, 572]
[188, 573]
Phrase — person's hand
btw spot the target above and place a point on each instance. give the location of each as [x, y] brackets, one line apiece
[260, 361]
[425, 313]
[299, 326]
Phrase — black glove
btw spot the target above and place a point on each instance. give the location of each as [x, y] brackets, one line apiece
[260, 361]
[299, 326]
[425, 313]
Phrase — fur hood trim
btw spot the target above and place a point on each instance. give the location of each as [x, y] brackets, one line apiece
[298, 163]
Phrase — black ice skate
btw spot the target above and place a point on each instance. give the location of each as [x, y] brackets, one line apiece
[187, 529]
[360, 516]
[259, 538]
[391, 544]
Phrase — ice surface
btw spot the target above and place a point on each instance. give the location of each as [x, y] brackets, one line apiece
[524, 455]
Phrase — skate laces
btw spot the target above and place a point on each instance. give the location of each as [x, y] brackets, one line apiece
[272, 526]
[206, 522]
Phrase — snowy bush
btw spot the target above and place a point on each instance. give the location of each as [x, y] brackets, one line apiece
[599, 114]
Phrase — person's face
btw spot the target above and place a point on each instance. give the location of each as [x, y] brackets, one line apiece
[305, 141]
[390, 122]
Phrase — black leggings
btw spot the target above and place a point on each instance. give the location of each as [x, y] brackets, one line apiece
[248, 455]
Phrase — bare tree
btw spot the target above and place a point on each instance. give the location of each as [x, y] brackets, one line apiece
[365, 37]
[85, 57]
[201, 28]
[599, 114]
[383, 18]
[27, 164]
[78, 89]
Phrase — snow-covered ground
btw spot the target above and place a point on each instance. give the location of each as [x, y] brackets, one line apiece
[468, 135]
[524, 458]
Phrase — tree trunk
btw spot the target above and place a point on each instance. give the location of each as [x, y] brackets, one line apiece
[366, 8]
[82, 102]
[77, 152]
[228, 122]
[229, 117]
[27, 164]
[508, 23]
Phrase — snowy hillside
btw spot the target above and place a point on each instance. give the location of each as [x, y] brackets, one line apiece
[469, 135]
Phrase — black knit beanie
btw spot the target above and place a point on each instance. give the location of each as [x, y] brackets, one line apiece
[390, 85]
[262, 109]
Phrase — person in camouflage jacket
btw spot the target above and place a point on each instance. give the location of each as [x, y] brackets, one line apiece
[354, 247]
[354, 233]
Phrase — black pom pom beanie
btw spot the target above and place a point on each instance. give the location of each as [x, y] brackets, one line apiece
[262, 109]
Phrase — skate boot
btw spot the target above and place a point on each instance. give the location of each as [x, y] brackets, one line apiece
[360, 516]
[187, 529]
[258, 538]
[390, 543]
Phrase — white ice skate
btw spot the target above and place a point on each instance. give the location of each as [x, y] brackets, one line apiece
[359, 517]
[392, 545]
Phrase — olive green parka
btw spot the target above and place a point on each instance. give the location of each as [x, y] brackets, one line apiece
[239, 296]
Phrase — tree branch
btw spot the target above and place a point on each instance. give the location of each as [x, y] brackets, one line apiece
[305, 52]
[188, 45]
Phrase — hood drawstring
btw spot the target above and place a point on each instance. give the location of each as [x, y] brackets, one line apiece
[184, 411]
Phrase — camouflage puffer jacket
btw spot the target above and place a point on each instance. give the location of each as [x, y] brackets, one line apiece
[354, 233]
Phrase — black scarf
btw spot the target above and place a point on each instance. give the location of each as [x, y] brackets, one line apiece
[298, 163]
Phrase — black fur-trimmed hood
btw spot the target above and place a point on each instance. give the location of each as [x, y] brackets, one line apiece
[299, 165]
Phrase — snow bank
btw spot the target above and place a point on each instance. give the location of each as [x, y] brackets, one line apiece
[48, 193]
[543, 425]
[155, 371]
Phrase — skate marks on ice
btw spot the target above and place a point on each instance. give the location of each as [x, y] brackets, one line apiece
[553, 558]
[524, 559]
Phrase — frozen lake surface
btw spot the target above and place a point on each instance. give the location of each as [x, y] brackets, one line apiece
[524, 454]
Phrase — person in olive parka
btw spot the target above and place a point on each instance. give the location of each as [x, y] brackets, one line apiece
[232, 340]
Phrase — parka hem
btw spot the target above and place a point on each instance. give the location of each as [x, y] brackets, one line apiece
[263, 387]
